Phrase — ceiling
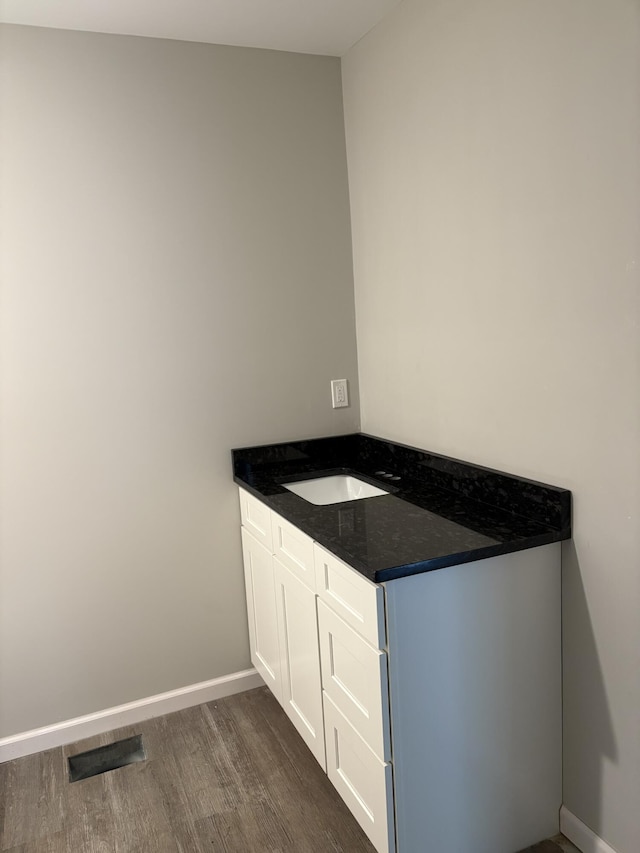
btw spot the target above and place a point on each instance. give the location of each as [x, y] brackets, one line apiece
[302, 26]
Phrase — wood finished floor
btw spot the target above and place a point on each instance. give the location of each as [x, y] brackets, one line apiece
[231, 776]
[559, 844]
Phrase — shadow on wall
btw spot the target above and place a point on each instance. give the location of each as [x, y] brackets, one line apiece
[588, 734]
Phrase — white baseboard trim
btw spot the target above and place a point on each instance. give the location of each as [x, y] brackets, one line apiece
[59, 734]
[579, 834]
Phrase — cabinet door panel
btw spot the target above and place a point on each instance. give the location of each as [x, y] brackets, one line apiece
[354, 675]
[362, 780]
[261, 607]
[300, 659]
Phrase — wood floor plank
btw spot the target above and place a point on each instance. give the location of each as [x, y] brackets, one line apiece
[196, 775]
[558, 844]
[564, 844]
[297, 785]
[3, 796]
[34, 806]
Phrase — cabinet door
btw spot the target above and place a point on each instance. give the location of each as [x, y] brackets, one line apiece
[300, 659]
[363, 781]
[261, 608]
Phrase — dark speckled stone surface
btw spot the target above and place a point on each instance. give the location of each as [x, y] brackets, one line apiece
[441, 511]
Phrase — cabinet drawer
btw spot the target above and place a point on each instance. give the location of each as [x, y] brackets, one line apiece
[363, 781]
[294, 549]
[256, 518]
[358, 601]
[354, 676]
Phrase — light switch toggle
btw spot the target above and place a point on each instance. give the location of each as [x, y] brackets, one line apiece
[339, 393]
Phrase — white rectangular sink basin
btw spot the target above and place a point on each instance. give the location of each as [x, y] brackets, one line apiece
[335, 489]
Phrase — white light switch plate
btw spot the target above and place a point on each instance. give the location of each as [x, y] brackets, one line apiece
[339, 393]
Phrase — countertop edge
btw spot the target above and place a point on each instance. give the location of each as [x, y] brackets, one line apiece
[406, 570]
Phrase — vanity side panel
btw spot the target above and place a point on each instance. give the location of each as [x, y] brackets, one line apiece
[475, 689]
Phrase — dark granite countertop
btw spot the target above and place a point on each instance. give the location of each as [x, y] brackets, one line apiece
[440, 512]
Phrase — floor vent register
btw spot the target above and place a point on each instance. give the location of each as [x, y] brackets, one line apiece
[105, 758]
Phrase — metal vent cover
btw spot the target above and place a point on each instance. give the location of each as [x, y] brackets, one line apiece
[105, 758]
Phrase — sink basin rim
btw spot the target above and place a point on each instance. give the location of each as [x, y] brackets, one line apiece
[334, 488]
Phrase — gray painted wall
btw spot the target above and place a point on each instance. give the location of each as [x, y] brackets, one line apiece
[176, 280]
[493, 169]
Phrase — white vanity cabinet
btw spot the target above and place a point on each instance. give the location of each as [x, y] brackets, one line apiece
[435, 698]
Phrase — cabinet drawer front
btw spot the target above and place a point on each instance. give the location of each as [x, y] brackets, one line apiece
[256, 517]
[261, 609]
[358, 601]
[362, 780]
[294, 549]
[300, 658]
[354, 676]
